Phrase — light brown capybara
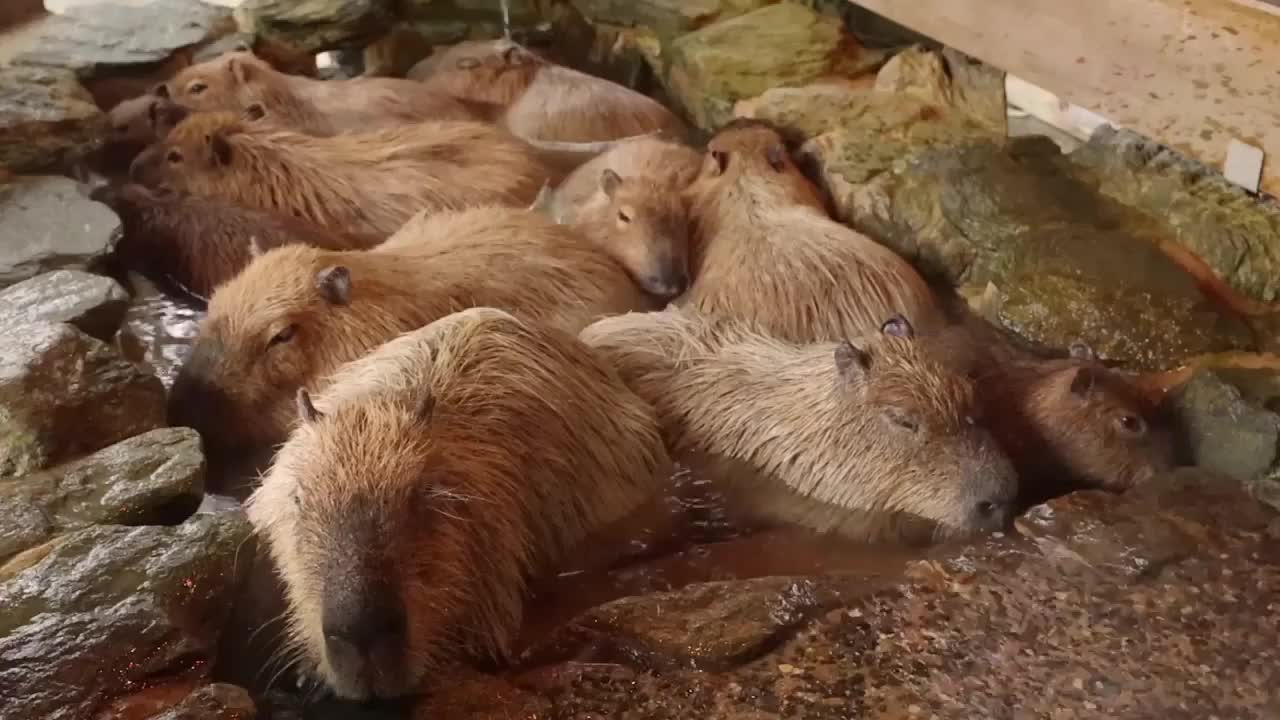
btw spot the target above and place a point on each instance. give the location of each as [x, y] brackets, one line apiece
[541, 99]
[432, 480]
[869, 426]
[296, 313]
[234, 81]
[1067, 423]
[766, 251]
[359, 182]
[628, 200]
[195, 244]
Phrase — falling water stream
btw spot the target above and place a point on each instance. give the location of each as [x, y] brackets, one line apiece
[506, 19]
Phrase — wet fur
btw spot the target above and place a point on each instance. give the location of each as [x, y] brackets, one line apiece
[765, 251]
[532, 444]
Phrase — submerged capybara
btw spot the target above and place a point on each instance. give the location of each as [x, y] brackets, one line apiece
[232, 82]
[424, 488]
[360, 182]
[628, 200]
[766, 251]
[296, 313]
[866, 426]
[197, 244]
[541, 99]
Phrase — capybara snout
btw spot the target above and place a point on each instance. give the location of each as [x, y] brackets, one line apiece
[365, 630]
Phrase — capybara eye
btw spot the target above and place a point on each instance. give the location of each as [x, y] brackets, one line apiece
[903, 421]
[623, 216]
[174, 157]
[284, 335]
[1131, 424]
[197, 87]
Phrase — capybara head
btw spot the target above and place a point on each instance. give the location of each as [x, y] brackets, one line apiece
[646, 227]
[494, 71]
[748, 160]
[197, 152]
[286, 321]
[430, 481]
[214, 85]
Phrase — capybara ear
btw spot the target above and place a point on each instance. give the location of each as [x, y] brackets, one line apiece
[306, 409]
[718, 161]
[609, 181]
[255, 246]
[467, 63]
[777, 157]
[161, 90]
[240, 71]
[1083, 381]
[851, 361]
[254, 112]
[425, 407]
[898, 326]
[219, 149]
[334, 284]
[511, 55]
[542, 203]
[1081, 351]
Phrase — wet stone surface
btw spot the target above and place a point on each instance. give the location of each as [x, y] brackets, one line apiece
[218, 701]
[96, 305]
[104, 612]
[153, 478]
[45, 115]
[46, 223]
[318, 25]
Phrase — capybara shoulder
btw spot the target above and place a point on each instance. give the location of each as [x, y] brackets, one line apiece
[866, 426]
[432, 480]
[765, 250]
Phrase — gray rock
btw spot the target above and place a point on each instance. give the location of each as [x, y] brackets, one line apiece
[46, 116]
[108, 610]
[64, 395]
[156, 478]
[97, 39]
[665, 16]
[318, 25]
[93, 303]
[218, 701]
[1225, 432]
[46, 223]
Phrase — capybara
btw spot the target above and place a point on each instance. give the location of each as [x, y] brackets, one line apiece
[323, 107]
[197, 244]
[541, 99]
[868, 426]
[296, 313]
[628, 200]
[766, 251]
[432, 480]
[134, 124]
[359, 182]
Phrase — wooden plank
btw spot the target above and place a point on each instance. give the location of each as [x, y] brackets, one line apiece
[1193, 74]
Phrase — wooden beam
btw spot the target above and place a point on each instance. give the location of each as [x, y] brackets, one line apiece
[1193, 74]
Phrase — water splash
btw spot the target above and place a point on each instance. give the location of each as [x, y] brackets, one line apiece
[506, 19]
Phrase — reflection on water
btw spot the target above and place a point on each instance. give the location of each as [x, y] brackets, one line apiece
[158, 329]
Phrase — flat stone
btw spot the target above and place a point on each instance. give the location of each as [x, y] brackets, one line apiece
[790, 45]
[64, 395]
[218, 701]
[96, 39]
[93, 303]
[664, 16]
[1226, 432]
[951, 79]
[109, 610]
[46, 116]
[46, 223]
[318, 25]
[156, 478]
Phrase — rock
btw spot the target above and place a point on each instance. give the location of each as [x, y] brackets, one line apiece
[671, 17]
[1225, 432]
[318, 25]
[108, 38]
[93, 303]
[1058, 261]
[948, 79]
[109, 610]
[152, 479]
[64, 394]
[218, 701]
[1236, 234]
[789, 44]
[46, 223]
[46, 116]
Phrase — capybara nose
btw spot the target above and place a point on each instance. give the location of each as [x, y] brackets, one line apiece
[668, 285]
[992, 514]
[357, 633]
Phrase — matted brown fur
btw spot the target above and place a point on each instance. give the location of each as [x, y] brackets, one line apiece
[236, 80]
[444, 470]
[273, 329]
[544, 100]
[199, 244]
[765, 250]
[871, 427]
[360, 182]
[628, 200]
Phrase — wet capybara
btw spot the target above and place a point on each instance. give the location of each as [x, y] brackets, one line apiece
[431, 480]
[296, 313]
[198, 244]
[359, 182]
[867, 426]
[235, 80]
[541, 99]
[766, 251]
[134, 124]
[629, 201]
